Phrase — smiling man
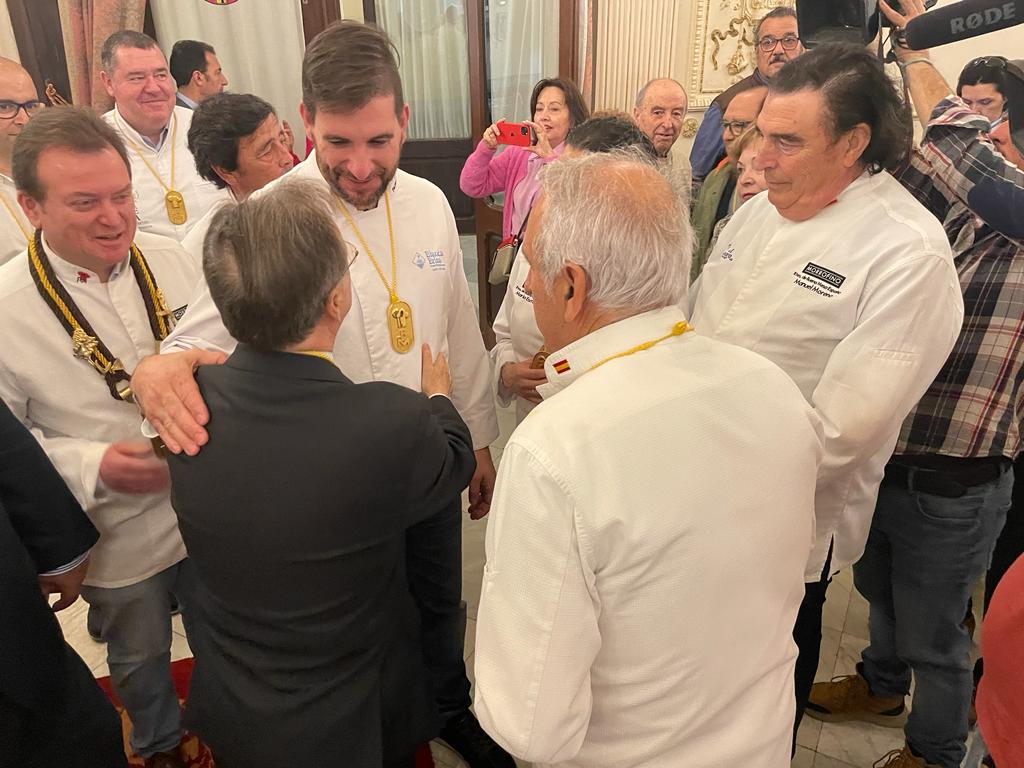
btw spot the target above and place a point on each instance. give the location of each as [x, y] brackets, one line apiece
[408, 288]
[18, 102]
[844, 280]
[170, 195]
[78, 311]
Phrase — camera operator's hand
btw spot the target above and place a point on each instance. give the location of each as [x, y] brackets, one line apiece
[910, 9]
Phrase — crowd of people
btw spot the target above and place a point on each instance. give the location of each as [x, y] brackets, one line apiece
[253, 389]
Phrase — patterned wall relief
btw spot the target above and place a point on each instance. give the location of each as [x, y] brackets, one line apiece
[723, 44]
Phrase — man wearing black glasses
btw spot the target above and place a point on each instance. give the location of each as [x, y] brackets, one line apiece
[947, 488]
[777, 41]
[18, 102]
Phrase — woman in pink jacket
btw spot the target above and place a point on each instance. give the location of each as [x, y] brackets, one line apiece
[556, 106]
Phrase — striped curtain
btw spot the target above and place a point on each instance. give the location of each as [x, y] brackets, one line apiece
[86, 24]
[637, 41]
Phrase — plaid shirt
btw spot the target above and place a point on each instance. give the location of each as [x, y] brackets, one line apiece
[974, 406]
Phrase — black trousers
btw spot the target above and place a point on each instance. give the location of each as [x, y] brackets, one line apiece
[807, 636]
[434, 558]
[80, 729]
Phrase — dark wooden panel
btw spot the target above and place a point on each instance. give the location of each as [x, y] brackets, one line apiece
[317, 15]
[441, 162]
[37, 30]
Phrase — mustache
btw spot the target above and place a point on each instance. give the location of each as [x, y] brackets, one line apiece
[776, 57]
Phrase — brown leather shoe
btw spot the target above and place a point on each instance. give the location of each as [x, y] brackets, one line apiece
[849, 698]
[165, 760]
[902, 758]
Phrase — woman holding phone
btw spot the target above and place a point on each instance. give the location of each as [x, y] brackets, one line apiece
[556, 106]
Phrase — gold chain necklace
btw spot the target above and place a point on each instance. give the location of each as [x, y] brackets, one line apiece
[399, 314]
[311, 353]
[677, 330]
[85, 342]
[173, 201]
[14, 215]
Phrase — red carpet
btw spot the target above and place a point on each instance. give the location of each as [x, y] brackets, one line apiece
[193, 750]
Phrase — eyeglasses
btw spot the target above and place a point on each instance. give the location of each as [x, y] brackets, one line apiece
[768, 43]
[995, 62]
[735, 127]
[354, 251]
[9, 109]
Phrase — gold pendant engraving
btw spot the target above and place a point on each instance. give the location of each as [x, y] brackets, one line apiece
[175, 205]
[400, 326]
[83, 345]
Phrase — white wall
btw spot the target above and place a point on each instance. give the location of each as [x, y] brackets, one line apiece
[8, 45]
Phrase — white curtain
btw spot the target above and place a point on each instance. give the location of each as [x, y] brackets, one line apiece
[637, 40]
[432, 42]
[522, 49]
[259, 44]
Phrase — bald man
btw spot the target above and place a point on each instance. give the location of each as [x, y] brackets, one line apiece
[18, 102]
[659, 111]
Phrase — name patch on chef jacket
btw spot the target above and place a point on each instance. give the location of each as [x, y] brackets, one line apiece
[817, 279]
[432, 259]
[522, 293]
[179, 312]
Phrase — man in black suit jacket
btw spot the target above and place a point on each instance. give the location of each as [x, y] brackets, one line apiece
[51, 710]
[297, 512]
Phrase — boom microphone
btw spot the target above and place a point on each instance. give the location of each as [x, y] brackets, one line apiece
[962, 20]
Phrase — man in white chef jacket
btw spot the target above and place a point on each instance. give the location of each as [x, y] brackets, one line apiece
[665, 476]
[18, 102]
[409, 263]
[170, 196]
[844, 280]
[88, 299]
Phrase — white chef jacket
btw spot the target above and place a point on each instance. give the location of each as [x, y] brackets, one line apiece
[516, 335]
[645, 557]
[200, 195]
[13, 224]
[69, 409]
[861, 306]
[430, 278]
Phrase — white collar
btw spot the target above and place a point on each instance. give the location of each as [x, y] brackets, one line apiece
[188, 102]
[578, 358]
[137, 137]
[69, 272]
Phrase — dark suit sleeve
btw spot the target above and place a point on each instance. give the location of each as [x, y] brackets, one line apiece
[42, 511]
[443, 461]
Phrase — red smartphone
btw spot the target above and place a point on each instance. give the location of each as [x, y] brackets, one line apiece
[516, 134]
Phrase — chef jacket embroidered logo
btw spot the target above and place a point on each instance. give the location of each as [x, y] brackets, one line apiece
[813, 270]
[179, 312]
[435, 259]
[418, 260]
[728, 253]
[817, 279]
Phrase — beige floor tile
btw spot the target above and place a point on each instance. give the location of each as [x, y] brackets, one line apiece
[837, 603]
[823, 761]
[808, 733]
[177, 626]
[804, 758]
[473, 534]
[858, 744]
[850, 648]
[857, 616]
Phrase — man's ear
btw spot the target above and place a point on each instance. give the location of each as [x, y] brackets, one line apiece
[31, 208]
[576, 290]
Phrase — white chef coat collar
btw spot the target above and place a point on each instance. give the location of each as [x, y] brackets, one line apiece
[67, 272]
[7, 181]
[569, 363]
[137, 137]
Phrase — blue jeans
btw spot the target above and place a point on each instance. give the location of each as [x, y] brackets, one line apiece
[136, 623]
[923, 557]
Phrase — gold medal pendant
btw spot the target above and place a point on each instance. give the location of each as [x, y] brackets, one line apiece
[400, 326]
[175, 205]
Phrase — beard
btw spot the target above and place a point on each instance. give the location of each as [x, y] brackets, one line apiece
[363, 200]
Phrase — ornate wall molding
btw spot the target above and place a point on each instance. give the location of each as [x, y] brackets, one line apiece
[723, 45]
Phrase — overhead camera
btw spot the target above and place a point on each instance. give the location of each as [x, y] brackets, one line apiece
[842, 21]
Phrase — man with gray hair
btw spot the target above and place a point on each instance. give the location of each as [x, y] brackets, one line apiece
[313, 638]
[659, 111]
[586, 652]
